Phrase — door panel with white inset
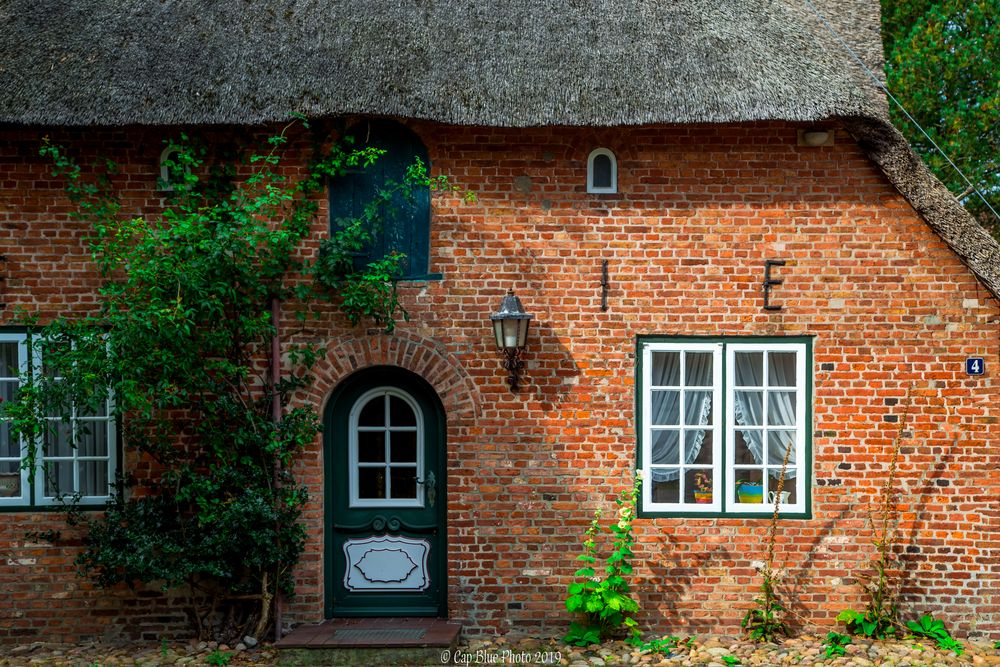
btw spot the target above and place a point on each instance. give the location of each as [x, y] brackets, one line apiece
[384, 442]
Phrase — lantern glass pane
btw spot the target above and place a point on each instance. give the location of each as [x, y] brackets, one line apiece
[510, 333]
[498, 332]
[522, 332]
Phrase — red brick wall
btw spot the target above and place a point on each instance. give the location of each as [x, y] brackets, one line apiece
[699, 209]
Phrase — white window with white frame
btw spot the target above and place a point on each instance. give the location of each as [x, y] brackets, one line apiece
[719, 421]
[602, 171]
[76, 451]
[386, 450]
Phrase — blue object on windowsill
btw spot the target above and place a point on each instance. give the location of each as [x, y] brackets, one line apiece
[750, 493]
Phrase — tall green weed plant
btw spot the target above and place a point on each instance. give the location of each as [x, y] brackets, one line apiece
[603, 602]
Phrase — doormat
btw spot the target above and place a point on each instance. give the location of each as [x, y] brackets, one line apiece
[379, 634]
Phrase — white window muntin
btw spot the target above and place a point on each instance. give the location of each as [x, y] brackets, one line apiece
[800, 479]
[353, 482]
[713, 427]
[596, 189]
[21, 340]
[76, 460]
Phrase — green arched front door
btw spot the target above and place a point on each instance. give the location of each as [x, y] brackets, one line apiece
[384, 442]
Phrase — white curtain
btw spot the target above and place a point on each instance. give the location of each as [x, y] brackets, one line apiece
[666, 409]
[749, 407]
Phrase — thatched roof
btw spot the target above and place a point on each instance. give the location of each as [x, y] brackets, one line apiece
[472, 62]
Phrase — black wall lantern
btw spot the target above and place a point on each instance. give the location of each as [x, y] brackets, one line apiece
[510, 326]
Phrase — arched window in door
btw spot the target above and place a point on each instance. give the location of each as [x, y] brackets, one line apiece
[386, 450]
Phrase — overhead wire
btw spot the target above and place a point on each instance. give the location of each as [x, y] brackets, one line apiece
[885, 89]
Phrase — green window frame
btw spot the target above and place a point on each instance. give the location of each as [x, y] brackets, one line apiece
[715, 417]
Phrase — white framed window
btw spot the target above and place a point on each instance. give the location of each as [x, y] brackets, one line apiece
[386, 450]
[602, 171]
[77, 453]
[717, 418]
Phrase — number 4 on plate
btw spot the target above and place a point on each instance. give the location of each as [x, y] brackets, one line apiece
[975, 366]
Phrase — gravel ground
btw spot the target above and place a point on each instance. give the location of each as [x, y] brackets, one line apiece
[707, 650]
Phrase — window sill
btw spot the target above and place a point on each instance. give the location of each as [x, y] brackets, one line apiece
[643, 514]
[54, 507]
[427, 277]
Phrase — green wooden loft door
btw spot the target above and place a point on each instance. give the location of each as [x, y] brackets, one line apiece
[384, 442]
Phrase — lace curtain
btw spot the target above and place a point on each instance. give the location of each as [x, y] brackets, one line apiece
[781, 408]
[666, 371]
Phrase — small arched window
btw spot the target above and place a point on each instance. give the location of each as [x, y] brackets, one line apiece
[602, 171]
[405, 221]
[164, 184]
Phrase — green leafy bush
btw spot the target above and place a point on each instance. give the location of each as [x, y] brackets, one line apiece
[934, 628]
[835, 644]
[866, 624]
[604, 602]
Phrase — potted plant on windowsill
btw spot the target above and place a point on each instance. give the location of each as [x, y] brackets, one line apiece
[702, 488]
[748, 491]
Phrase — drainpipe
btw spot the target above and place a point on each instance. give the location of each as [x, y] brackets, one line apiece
[276, 417]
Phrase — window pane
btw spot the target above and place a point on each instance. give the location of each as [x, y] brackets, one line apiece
[665, 447]
[9, 366]
[698, 447]
[8, 391]
[404, 446]
[666, 369]
[665, 491]
[698, 408]
[749, 486]
[10, 479]
[781, 408]
[749, 369]
[57, 439]
[400, 413]
[58, 408]
[371, 482]
[602, 171]
[58, 478]
[94, 478]
[781, 369]
[748, 408]
[373, 414]
[789, 494]
[9, 446]
[778, 442]
[95, 408]
[698, 369]
[698, 486]
[92, 438]
[749, 447]
[665, 408]
[404, 482]
[371, 446]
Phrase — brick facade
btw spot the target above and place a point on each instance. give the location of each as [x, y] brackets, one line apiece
[699, 209]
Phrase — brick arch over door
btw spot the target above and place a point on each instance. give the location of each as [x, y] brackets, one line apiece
[423, 356]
